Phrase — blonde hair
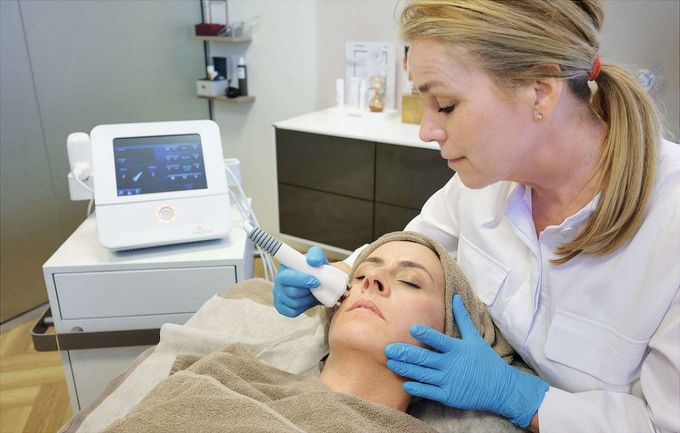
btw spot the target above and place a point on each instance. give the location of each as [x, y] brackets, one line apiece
[512, 40]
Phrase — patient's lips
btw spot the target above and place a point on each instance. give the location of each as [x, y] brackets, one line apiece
[367, 305]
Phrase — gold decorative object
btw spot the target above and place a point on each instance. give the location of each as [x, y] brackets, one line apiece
[377, 83]
[412, 108]
[412, 105]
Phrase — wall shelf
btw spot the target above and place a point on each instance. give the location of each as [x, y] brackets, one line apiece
[233, 40]
[237, 100]
[224, 39]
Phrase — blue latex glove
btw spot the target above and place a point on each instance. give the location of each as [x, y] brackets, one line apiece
[291, 288]
[465, 373]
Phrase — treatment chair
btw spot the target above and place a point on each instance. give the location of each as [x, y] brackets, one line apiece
[245, 314]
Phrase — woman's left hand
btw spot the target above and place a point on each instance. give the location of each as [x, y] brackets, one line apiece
[465, 373]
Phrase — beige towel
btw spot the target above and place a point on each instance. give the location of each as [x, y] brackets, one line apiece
[231, 391]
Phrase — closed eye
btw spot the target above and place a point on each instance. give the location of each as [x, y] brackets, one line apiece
[408, 283]
[446, 110]
[359, 277]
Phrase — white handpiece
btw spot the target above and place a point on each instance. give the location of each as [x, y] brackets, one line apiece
[333, 281]
[79, 154]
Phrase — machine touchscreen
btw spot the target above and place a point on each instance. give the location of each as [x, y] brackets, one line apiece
[159, 164]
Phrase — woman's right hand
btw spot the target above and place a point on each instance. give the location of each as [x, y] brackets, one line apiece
[291, 288]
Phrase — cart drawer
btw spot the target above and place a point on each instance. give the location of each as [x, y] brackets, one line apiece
[139, 292]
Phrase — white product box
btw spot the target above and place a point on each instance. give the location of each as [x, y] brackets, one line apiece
[211, 88]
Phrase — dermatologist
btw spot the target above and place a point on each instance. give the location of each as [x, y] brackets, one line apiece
[564, 213]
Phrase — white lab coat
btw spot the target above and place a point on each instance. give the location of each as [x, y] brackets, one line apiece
[604, 332]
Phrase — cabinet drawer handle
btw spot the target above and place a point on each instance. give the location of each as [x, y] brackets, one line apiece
[79, 339]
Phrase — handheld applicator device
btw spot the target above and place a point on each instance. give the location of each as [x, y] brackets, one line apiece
[333, 281]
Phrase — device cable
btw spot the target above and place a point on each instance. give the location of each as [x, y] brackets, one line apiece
[248, 214]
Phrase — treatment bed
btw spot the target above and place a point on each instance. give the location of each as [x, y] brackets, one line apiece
[244, 314]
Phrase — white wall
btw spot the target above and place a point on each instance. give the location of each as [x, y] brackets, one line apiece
[282, 75]
[339, 21]
[637, 34]
[298, 50]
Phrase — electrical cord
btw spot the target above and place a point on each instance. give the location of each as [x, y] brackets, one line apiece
[89, 207]
[249, 215]
[241, 201]
[268, 272]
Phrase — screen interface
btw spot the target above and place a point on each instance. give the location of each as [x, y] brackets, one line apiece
[159, 164]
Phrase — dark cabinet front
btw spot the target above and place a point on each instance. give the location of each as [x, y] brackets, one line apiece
[407, 176]
[345, 192]
[331, 164]
[331, 219]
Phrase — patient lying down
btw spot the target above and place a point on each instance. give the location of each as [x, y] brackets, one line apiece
[397, 282]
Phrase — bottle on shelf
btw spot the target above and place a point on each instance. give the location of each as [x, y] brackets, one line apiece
[242, 75]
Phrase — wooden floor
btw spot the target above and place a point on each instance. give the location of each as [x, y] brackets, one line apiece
[33, 395]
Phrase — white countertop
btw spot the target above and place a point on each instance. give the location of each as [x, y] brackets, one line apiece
[389, 130]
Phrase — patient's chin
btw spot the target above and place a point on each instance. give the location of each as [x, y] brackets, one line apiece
[357, 335]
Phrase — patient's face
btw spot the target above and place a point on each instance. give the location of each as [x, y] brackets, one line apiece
[398, 285]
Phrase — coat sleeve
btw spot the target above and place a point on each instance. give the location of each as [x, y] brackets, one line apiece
[658, 408]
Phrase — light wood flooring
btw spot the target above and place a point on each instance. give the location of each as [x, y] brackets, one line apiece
[33, 394]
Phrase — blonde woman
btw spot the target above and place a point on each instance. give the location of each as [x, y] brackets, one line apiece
[564, 213]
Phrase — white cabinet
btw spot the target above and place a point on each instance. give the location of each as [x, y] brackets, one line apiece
[107, 299]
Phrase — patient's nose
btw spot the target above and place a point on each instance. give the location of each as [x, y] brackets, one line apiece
[374, 280]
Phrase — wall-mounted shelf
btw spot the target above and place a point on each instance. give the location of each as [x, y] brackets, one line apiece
[237, 100]
[224, 39]
[207, 40]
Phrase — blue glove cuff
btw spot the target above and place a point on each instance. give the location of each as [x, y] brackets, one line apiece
[525, 399]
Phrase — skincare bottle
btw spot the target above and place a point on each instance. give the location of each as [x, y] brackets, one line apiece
[362, 95]
[354, 92]
[339, 92]
[412, 106]
[211, 72]
[242, 77]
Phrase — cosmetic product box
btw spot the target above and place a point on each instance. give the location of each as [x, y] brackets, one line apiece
[211, 88]
[412, 109]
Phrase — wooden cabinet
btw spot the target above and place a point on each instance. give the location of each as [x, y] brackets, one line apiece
[336, 165]
[346, 192]
[332, 219]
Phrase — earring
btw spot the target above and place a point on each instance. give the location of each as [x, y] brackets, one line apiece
[538, 115]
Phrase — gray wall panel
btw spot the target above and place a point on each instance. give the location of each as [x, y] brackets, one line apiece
[110, 62]
[30, 227]
[68, 66]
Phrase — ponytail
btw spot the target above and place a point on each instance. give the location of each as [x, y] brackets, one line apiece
[628, 164]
